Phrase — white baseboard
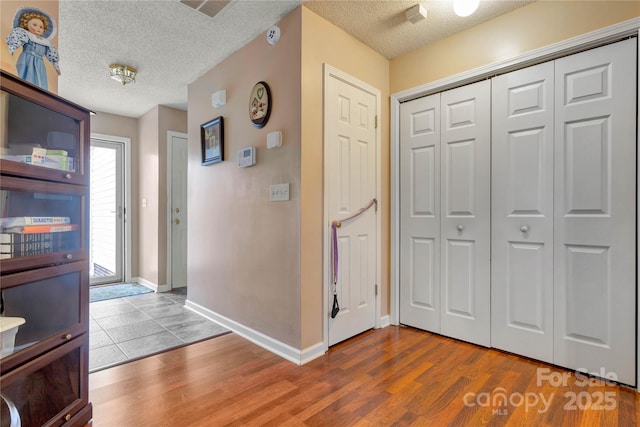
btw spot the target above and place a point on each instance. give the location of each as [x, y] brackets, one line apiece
[299, 357]
[151, 285]
[313, 352]
[385, 321]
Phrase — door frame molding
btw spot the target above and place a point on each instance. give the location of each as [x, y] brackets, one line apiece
[566, 47]
[328, 73]
[126, 166]
[170, 135]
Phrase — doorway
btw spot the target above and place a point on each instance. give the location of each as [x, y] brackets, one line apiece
[108, 212]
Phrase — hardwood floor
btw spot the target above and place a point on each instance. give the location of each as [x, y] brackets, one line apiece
[391, 376]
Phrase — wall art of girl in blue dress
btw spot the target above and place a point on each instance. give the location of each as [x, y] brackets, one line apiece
[33, 29]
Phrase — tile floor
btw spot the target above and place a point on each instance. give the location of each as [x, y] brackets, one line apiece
[128, 328]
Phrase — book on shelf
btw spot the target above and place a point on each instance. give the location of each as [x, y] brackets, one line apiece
[17, 238]
[54, 159]
[17, 244]
[31, 229]
[15, 221]
[57, 153]
[34, 248]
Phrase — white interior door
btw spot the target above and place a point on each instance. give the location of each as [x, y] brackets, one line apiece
[420, 213]
[465, 226]
[107, 212]
[350, 163]
[595, 196]
[177, 186]
[522, 212]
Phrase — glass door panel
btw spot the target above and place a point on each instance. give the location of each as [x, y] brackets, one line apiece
[40, 310]
[107, 212]
[47, 395]
[42, 223]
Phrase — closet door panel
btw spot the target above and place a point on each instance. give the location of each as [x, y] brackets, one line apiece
[465, 244]
[522, 212]
[595, 226]
[420, 213]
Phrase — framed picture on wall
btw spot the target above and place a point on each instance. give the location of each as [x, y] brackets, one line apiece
[212, 141]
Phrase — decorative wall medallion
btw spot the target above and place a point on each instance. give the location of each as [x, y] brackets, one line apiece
[260, 104]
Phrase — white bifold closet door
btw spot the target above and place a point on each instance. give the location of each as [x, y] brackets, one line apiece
[522, 212]
[445, 213]
[564, 216]
[595, 210]
[420, 213]
[466, 211]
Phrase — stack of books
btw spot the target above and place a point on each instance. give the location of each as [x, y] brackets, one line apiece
[54, 159]
[35, 235]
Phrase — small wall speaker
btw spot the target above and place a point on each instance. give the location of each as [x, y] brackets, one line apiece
[274, 140]
[219, 98]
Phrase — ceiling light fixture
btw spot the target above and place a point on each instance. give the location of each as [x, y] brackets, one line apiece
[122, 73]
[465, 7]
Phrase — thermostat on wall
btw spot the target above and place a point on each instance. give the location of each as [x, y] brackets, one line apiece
[246, 157]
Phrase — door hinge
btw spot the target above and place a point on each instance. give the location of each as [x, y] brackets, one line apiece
[376, 121]
[376, 289]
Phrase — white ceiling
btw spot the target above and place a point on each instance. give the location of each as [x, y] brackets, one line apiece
[172, 45]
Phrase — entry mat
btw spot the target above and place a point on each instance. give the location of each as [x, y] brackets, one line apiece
[105, 292]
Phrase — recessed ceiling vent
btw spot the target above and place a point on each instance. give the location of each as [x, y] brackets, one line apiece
[208, 7]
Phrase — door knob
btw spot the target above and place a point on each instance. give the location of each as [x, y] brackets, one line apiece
[460, 227]
[176, 221]
[524, 228]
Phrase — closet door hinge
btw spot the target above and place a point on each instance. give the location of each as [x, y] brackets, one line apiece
[376, 289]
[376, 121]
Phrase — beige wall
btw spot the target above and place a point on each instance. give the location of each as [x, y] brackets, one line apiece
[8, 10]
[148, 202]
[126, 127]
[244, 251]
[152, 170]
[322, 43]
[256, 262]
[530, 27]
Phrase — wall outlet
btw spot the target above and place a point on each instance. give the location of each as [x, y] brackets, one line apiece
[279, 192]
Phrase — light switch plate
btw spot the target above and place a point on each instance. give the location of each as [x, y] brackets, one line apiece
[279, 192]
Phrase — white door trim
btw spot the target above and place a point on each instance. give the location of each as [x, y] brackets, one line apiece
[127, 197]
[330, 72]
[170, 135]
[585, 41]
[637, 210]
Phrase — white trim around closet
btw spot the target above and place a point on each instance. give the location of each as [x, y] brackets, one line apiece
[586, 41]
[637, 210]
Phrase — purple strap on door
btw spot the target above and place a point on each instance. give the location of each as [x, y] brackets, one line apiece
[334, 237]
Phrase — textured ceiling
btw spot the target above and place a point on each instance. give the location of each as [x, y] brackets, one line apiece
[382, 25]
[171, 44]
